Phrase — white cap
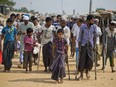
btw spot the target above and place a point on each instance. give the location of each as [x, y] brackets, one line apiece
[97, 20]
[64, 19]
[114, 22]
[25, 18]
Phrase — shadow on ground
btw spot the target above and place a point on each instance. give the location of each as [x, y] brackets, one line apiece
[38, 80]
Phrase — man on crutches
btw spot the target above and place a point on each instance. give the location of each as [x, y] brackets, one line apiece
[109, 44]
[87, 31]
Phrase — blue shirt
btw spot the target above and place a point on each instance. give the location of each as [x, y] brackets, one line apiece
[56, 24]
[9, 33]
[70, 24]
[87, 35]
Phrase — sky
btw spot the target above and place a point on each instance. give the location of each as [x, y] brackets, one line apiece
[57, 6]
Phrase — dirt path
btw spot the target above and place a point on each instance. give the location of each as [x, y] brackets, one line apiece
[18, 78]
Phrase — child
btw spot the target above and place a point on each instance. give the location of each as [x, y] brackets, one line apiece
[59, 49]
[9, 34]
[28, 47]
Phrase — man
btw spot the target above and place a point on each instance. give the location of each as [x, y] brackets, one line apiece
[71, 25]
[86, 44]
[57, 22]
[22, 32]
[37, 27]
[63, 24]
[109, 43]
[36, 36]
[47, 33]
[13, 16]
[99, 33]
[17, 21]
[76, 31]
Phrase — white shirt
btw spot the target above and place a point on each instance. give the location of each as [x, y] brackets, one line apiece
[99, 33]
[76, 33]
[22, 29]
[72, 30]
[47, 34]
[36, 30]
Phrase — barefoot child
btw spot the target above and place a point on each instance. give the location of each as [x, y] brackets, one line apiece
[59, 50]
[28, 47]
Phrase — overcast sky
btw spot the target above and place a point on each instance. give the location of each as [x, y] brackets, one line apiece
[56, 6]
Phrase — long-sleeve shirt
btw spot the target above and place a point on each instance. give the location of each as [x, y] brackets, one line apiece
[99, 33]
[76, 32]
[87, 34]
[22, 29]
[109, 39]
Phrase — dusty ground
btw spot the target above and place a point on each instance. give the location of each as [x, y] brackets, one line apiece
[18, 78]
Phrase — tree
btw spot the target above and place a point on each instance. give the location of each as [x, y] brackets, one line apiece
[24, 9]
[7, 2]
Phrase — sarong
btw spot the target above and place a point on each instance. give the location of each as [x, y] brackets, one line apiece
[58, 66]
[86, 58]
[47, 54]
[8, 52]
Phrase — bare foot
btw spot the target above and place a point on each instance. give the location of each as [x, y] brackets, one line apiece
[61, 81]
[57, 82]
[79, 78]
[87, 75]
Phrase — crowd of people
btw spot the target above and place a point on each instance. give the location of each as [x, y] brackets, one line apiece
[26, 34]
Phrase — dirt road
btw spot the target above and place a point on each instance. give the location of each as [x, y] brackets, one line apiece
[18, 78]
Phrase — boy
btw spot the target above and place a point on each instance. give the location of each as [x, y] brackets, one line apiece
[59, 51]
[9, 34]
[28, 47]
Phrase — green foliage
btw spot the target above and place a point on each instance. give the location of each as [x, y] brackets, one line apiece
[22, 9]
[7, 2]
[100, 9]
